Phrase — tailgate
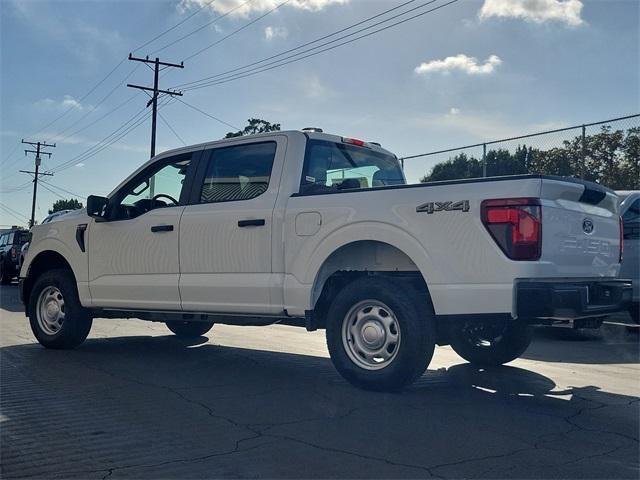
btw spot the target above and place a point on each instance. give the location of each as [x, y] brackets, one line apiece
[580, 228]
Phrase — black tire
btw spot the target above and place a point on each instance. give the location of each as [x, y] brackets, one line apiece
[189, 329]
[413, 316]
[490, 344]
[76, 324]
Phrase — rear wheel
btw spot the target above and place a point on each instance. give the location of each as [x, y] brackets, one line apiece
[378, 336]
[491, 342]
[57, 318]
[189, 329]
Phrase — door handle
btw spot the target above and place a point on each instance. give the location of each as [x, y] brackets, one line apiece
[251, 223]
[162, 228]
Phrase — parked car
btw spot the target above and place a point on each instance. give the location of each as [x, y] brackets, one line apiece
[10, 245]
[316, 230]
[630, 211]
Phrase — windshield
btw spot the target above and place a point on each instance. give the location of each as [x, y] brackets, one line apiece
[331, 166]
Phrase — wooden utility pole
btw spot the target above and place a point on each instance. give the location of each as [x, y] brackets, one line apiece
[36, 174]
[154, 99]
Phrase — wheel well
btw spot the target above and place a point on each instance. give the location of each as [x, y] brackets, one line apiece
[356, 260]
[47, 260]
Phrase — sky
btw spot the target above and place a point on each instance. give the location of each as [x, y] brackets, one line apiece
[471, 71]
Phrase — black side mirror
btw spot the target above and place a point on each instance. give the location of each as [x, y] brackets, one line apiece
[97, 207]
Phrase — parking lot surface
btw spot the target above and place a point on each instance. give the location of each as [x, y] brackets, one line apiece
[134, 401]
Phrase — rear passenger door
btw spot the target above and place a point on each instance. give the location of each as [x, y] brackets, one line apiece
[226, 231]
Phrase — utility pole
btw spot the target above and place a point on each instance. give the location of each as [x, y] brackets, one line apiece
[37, 173]
[154, 99]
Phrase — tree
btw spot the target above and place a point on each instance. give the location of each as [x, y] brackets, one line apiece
[71, 204]
[609, 157]
[255, 125]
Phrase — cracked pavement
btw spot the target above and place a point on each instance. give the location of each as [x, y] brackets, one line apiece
[136, 402]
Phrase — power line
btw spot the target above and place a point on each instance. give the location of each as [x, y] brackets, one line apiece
[36, 174]
[173, 27]
[300, 46]
[208, 115]
[246, 25]
[291, 59]
[171, 128]
[193, 32]
[63, 190]
[42, 184]
[18, 217]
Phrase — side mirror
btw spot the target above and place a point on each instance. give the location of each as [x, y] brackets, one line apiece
[97, 207]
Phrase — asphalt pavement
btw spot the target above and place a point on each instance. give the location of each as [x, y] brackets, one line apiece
[134, 401]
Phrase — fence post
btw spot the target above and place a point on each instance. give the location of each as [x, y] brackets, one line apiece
[584, 143]
[484, 159]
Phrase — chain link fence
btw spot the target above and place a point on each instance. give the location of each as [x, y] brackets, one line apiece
[607, 152]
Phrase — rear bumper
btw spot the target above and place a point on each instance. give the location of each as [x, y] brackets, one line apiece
[569, 299]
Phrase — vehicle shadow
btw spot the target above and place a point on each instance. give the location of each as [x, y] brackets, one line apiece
[609, 345]
[10, 298]
[161, 406]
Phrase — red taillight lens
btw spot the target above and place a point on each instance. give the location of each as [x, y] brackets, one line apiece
[14, 253]
[353, 141]
[516, 226]
[621, 241]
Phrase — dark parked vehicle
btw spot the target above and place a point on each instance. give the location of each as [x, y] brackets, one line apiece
[11, 243]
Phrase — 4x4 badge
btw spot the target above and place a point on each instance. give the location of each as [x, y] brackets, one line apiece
[432, 207]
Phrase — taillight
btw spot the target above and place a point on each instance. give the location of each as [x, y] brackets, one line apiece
[621, 241]
[354, 141]
[14, 253]
[516, 226]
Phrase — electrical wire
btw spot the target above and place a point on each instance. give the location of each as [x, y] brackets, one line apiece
[292, 59]
[171, 128]
[324, 37]
[238, 30]
[208, 114]
[193, 32]
[62, 189]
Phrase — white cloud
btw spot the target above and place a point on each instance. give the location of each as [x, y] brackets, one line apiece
[537, 11]
[461, 62]
[260, 6]
[454, 111]
[67, 102]
[80, 165]
[275, 32]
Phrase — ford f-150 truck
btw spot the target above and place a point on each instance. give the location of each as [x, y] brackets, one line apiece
[321, 231]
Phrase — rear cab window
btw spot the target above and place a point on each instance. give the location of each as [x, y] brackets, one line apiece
[333, 167]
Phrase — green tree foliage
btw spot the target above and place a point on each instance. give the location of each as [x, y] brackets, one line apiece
[254, 126]
[71, 204]
[610, 157]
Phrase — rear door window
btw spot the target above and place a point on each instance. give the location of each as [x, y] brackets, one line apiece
[331, 167]
[240, 172]
[631, 221]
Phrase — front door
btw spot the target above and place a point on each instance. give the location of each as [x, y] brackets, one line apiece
[225, 234]
[133, 256]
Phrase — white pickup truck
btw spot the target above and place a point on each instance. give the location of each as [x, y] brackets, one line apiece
[316, 230]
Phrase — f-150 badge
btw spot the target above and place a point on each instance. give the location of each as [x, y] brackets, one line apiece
[433, 207]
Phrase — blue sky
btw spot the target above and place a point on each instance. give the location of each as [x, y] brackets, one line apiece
[472, 71]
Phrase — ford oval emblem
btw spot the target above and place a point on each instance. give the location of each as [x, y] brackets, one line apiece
[587, 226]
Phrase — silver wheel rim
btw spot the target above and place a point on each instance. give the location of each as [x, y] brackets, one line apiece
[371, 335]
[50, 310]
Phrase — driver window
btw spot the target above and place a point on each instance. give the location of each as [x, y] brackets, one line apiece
[159, 188]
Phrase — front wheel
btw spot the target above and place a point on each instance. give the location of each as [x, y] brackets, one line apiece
[189, 329]
[379, 336]
[57, 318]
[491, 342]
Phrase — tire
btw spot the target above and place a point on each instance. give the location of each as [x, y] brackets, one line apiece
[400, 325]
[189, 329]
[55, 293]
[491, 344]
